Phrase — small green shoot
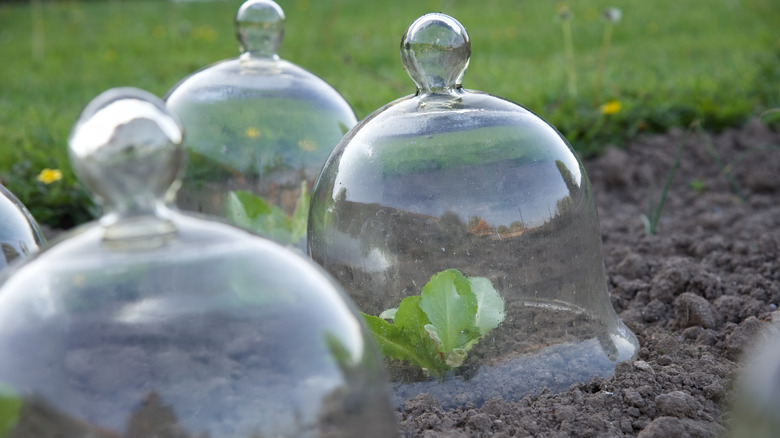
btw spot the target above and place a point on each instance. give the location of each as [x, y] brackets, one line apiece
[250, 211]
[725, 169]
[655, 208]
[698, 185]
[436, 329]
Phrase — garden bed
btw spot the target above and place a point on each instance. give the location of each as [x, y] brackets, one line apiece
[698, 294]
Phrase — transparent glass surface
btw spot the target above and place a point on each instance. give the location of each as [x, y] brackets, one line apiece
[452, 179]
[258, 129]
[19, 232]
[152, 323]
[755, 404]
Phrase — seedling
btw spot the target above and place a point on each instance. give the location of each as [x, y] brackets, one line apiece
[726, 168]
[248, 210]
[655, 208]
[698, 185]
[436, 329]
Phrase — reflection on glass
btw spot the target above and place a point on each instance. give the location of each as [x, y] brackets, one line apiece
[19, 232]
[453, 179]
[259, 129]
[755, 403]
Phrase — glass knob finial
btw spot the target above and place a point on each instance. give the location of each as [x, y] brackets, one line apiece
[435, 51]
[126, 148]
[260, 28]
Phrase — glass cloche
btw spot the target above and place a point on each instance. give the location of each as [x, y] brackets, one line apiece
[258, 129]
[20, 234]
[152, 323]
[755, 404]
[465, 227]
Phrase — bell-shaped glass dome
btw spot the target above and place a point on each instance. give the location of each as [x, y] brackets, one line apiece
[464, 227]
[152, 323]
[20, 234]
[258, 129]
[755, 404]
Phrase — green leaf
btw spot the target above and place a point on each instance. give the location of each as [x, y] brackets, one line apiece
[300, 216]
[10, 405]
[413, 322]
[451, 308]
[338, 351]
[436, 329]
[236, 208]
[408, 315]
[393, 342]
[389, 313]
[490, 304]
[247, 210]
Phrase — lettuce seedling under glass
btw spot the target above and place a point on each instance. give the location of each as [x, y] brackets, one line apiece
[153, 323]
[259, 129]
[20, 234]
[464, 227]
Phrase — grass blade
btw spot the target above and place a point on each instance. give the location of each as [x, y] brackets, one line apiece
[655, 216]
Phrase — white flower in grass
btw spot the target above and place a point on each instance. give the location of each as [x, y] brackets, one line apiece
[613, 15]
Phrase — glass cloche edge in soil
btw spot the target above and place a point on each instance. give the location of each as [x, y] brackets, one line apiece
[153, 320]
[464, 227]
[755, 401]
[259, 129]
[20, 234]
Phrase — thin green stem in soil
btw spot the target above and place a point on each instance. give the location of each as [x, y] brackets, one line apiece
[725, 169]
[655, 210]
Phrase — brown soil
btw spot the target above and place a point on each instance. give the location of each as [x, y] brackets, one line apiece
[698, 295]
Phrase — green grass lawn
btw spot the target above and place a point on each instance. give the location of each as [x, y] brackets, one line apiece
[669, 62]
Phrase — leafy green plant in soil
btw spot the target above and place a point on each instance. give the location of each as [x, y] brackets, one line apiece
[436, 329]
[248, 210]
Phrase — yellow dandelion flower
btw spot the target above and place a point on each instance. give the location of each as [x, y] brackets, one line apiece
[610, 108]
[48, 176]
[252, 132]
[307, 145]
[204, 33]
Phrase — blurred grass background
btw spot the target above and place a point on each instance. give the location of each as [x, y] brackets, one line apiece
[669, 62]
